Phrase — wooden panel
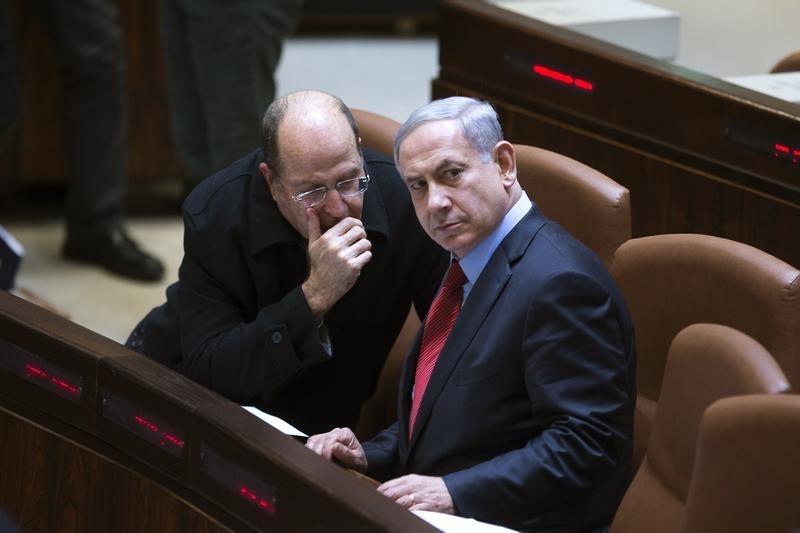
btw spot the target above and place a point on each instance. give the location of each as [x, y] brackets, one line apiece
[297, 476]
[158, 452]
[659, 130]
[52, 484]
[150, 147]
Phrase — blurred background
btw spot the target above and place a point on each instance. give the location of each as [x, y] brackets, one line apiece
[379, 55]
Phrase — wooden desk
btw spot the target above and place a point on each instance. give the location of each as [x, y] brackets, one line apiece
[98, 438]
[698, 154]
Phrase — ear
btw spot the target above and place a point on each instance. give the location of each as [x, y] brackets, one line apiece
[269, 177]
[506, 162]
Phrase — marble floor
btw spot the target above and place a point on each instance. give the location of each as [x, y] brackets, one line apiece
[390, 75]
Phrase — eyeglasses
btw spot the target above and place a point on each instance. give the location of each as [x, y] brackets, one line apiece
[346, 188]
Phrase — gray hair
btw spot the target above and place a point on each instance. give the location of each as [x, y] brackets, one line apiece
[274, 116]
[478, 120]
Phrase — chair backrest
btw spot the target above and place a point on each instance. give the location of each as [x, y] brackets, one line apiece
[790, 63]
[380, 410]
[591, 206]
[672, 281]
[706, 362]
[377, 131]
[747, 468]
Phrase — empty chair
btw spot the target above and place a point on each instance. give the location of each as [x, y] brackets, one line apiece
[706, 362]
[672, 281]
[747, 468]
[377, 131]
[790, 63]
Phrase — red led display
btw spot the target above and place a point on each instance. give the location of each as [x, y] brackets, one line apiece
[33, 371]
[787, 153]
[562, 77]
[251, 496]
[166, 437]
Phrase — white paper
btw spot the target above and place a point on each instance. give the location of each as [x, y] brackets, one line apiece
[783, 85]
[457, 524]
[12, 243]
[274, 421]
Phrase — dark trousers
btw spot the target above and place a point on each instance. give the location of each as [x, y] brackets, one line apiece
[87, 38]
[220, 58]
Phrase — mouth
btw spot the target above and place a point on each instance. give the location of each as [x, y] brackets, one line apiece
[447, 227]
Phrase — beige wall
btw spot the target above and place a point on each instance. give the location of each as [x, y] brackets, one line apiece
[735, 37]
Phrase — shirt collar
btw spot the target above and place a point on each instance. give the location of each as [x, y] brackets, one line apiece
[475, 261]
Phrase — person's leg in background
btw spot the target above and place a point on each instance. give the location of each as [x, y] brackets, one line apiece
[186, 108]
[88, 41]
[221, 57]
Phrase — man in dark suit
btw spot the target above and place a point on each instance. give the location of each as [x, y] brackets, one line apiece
[526, 418]
[301, 261]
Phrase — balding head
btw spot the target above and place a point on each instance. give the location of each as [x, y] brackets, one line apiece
[300, 121]
[311, 142]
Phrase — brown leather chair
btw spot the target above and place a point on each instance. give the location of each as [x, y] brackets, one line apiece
[747, 467]
[790, 63]
[377, 131]
[380, 410]
[591, 206]
[706, 362]
[672, 281]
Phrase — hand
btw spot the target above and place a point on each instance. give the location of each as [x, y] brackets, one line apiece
[419, 493]
[342, 445]
[336, 259]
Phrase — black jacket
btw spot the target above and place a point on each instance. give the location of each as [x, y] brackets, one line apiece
[238, 322]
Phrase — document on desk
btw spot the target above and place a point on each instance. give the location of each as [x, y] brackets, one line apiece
[456, 524]
[274, 421]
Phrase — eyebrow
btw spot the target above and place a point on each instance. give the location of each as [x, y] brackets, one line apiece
[355, 172]
[443, 164]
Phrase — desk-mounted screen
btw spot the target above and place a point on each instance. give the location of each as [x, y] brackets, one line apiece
[41, 373]
[146, 425]
[240, 483]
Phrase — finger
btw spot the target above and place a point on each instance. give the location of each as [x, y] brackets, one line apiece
[312, 225]
[343, 454]
[345, 225]
[314, 444]
[357, 248]
[353, 235]
[394, 489]
[362, 260]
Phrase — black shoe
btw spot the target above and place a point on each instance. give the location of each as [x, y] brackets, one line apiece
[115, 251]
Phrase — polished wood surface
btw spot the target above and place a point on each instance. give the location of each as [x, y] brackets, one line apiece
[662, 131]
[135, 446]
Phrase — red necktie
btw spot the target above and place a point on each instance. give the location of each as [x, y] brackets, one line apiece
[438, 324]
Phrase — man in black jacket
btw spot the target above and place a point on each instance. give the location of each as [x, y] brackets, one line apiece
[301, 262]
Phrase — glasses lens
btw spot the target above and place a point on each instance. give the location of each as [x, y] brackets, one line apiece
[310, 198]
[353, 186]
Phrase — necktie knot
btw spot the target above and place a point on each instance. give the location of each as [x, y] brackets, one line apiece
[455, 277]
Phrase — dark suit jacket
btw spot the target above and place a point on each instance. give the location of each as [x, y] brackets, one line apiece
[237, 320]
[528, 414]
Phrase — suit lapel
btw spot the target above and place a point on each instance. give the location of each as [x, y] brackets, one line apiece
[481, 300]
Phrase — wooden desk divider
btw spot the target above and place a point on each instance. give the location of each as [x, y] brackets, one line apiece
[95, 437]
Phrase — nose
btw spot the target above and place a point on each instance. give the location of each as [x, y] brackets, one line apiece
[438, 198]
[334, 205]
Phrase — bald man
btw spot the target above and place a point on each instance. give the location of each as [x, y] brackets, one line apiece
[301, 262]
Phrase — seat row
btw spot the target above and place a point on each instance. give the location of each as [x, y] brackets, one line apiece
[713, 319]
